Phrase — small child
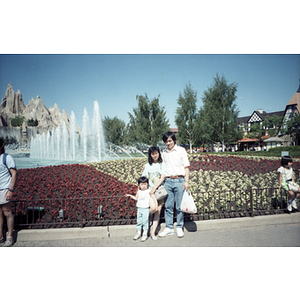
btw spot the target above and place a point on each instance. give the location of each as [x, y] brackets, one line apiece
[143, 202]
[286, 181]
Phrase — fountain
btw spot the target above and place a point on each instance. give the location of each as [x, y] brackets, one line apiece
[68, 146]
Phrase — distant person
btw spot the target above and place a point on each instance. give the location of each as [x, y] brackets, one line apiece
[8, 176]
[287, 182]
[177, 180]
[143, 203]
[154, 170]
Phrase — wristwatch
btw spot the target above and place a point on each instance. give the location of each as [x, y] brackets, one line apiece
[11, 190]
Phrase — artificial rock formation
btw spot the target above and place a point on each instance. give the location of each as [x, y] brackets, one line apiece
[12, 106]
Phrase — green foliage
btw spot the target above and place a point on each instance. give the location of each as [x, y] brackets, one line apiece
[148, 122]
[272, 124]
[292, 127]
[186, 114]
[217, 119]
[294, 152]
[32, 122]
[256, 131]
[114, 130]
[17, 121]
[269, 126]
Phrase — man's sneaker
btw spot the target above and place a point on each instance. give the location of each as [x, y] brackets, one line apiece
[294, 203]
[166, 231]
[144, 237]
[289, 205]
[9, 242]
[179, 232]
[137, 236]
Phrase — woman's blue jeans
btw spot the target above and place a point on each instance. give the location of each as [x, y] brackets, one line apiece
[175, 191]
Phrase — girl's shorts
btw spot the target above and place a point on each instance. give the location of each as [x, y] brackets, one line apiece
[290, 186]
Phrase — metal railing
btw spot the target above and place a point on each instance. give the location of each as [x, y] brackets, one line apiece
[104, 211]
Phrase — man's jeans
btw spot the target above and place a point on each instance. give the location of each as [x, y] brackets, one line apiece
[175, 191]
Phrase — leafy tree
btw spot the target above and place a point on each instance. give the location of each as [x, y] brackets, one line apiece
[148, 122]
[186, 114]
[200, 134]
[292, 127]
[217, 119]
[256, 131]
[269, 126]
[272, 124]
[114, 130]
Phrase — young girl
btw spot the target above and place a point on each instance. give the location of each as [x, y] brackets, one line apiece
[154, 170]
[286, 181]
[143, 201]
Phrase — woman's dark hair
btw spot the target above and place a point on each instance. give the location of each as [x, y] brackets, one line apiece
[151, 150]
[285, 160]
[169, 134]
[143, 179]
[2, 143]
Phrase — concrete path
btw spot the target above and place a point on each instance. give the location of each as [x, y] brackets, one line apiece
[263, 231]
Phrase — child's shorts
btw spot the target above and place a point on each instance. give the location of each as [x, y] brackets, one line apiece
[290, 186]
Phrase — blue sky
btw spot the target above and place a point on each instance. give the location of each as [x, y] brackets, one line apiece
[74, 81]
[111, 51]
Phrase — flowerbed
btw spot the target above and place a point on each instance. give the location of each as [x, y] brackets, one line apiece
[62, 187]
[218, 183]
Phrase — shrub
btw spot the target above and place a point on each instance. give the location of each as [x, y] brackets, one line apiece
[32, 122]
[17, 121]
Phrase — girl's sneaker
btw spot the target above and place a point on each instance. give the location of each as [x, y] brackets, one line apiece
[137, 236]
[289, 205]
[144, 237]
[294, 203]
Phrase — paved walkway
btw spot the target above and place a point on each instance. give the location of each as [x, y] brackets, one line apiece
[263, 231]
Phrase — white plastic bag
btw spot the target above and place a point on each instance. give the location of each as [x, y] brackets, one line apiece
[187, 203]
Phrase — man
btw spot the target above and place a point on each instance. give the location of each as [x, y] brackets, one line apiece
[176, 181]
[8, 176]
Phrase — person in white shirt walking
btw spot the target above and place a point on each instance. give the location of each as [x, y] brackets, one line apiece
[8, 176]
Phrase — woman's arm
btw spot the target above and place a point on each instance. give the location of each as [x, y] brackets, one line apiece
[160, 181]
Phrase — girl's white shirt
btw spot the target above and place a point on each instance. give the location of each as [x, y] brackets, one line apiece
[143, 198]
[286, 173]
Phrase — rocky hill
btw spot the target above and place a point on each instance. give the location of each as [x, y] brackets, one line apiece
[12, 106]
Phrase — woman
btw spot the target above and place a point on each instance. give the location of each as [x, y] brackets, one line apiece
[154, 170]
